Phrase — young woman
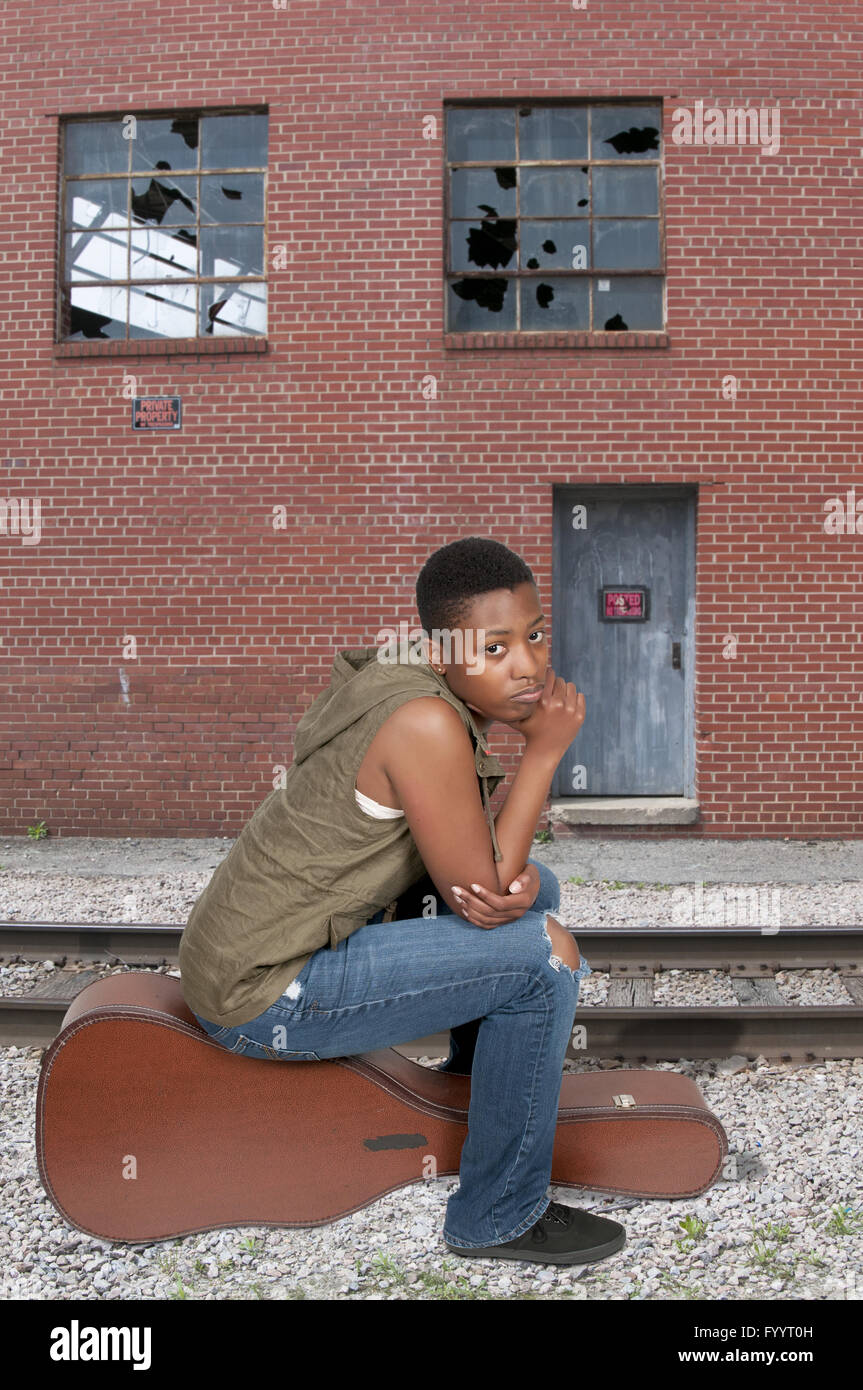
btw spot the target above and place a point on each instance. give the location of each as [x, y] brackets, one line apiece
[303, 945]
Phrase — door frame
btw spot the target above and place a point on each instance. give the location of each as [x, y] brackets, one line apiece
[567, 495]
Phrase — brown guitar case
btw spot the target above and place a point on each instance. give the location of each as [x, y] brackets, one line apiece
[146, 1129]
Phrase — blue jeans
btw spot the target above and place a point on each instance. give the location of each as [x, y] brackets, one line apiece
[509, 1004]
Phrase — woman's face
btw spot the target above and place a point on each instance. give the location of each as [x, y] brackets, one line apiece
[505, 651]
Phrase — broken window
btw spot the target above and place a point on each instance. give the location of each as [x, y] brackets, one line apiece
[554, 217]
[163, 226]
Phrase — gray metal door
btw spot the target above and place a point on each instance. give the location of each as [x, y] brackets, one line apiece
[623, 631]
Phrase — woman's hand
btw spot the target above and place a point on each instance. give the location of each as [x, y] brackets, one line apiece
[486, 909]
[553, 722]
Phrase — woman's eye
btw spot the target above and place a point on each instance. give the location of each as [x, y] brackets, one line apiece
[535, 633]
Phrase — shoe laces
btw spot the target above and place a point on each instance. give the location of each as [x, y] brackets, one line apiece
[556, 1214]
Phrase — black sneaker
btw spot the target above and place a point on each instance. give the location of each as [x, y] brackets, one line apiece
[562, 1236]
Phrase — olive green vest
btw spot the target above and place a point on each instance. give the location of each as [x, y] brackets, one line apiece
[311, 866]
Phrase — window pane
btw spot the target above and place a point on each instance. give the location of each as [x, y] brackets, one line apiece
[232, 198]
[555, 244]
[482, 245]
[162, 311]
[554, 303]
[232, 142]
[627, 191]
[157, 255]
[165, 200]
[480, 133]
[96, 147]
[166, 144]
[97, 311]
[631, 245]
[553, 192]
[491, 191]
[232, 251]
[626, 132]
[483, 305]
[552, 133]
[96, 202]
[233, 310]
[101, 255]
[627, 304]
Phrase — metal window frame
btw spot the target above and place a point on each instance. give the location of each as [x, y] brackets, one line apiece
[63, 286]
[519, 274]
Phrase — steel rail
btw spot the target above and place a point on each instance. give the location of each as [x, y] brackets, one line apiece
[630, 1027]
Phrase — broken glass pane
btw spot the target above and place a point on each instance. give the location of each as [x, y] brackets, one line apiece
[629, 245]
[165, 144]
[233, 310]
[162, 311]
[480, 133]
[157, 254]
[165, 200]
[95, 311]
[553, 192]
[483, 305]
[634, 304]
[626, 191]
[232, 251]
[232, 198]
[96, 202]
[233, 142]
[484, 245]
[101, 255]
[552, 132]
[491, 191]
[96, 147]
[554, 302]
[626, 132]
[555, 244]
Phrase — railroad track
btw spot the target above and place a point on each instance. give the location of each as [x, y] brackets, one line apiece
[630, 1026]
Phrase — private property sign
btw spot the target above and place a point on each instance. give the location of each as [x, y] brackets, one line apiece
[156, 413]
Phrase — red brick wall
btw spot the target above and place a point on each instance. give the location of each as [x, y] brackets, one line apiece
[168, 538]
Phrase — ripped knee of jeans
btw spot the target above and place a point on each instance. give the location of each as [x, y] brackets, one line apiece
[293, 991]
[555, 961]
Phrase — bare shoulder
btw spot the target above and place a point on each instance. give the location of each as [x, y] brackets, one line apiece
[428, 717]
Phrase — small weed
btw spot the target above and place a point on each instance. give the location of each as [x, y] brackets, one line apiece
[765, 1256]
[451, 1289]
[383, 1265]
[685, 1292]
[37, 831]
[844, 1221]
[543, 837]
[694, 1229]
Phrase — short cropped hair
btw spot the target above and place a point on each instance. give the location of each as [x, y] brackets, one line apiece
[458, 573]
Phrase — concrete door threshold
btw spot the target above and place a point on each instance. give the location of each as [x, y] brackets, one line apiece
[624, 810]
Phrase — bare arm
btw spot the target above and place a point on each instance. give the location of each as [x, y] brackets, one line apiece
[516, 821]
[429, 758]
